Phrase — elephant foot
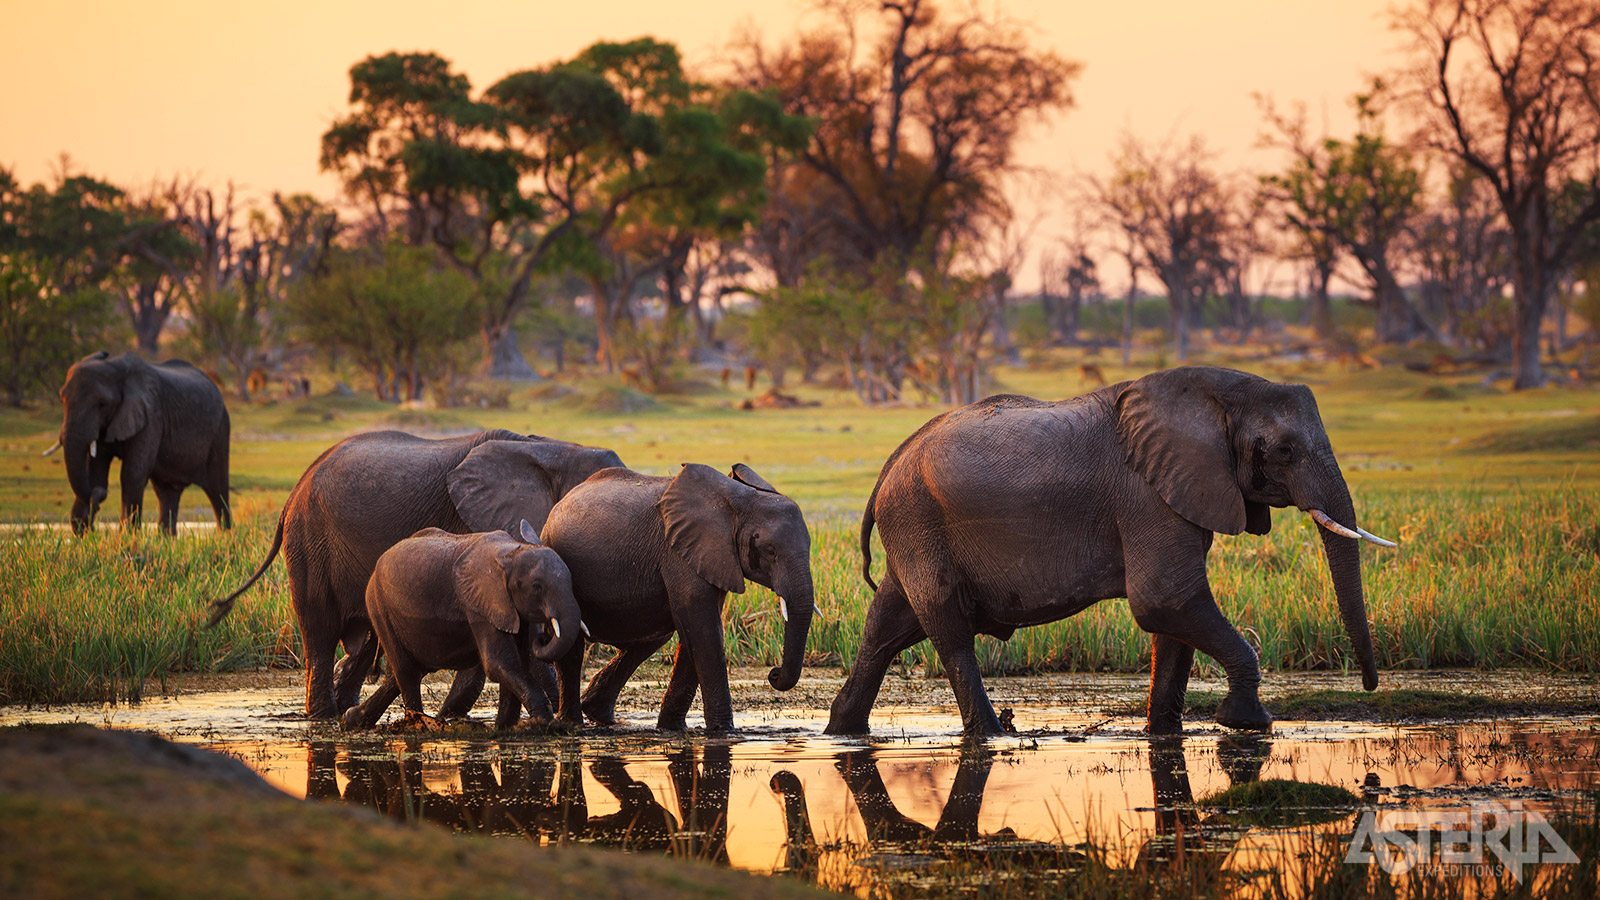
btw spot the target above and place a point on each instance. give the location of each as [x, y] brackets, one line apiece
[672, 723]
[1243, 713]
[569, 726]
[353, 720]
[418, 721]
[599, 712]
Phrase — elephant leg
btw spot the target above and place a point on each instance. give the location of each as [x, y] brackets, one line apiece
[891, 627]
[515, 683]
[699, 623]
[319, 679]
[570, 670]
[366, 714]
[600, 698]
[216, 486]
[167, 502]
[360, 647]
[1206, 629]
[132, 497]
[464, 691]
[680, 692]
[960, 659]
[1170, 662]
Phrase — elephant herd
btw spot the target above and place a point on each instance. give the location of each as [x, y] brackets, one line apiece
[501, 555]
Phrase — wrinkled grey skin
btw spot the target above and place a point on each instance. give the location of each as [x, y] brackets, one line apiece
[168, 425]
[1014, 512]
[371, 491]
[457, 601]
[651, 557]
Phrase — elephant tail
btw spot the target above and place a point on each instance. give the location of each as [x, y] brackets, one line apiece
[220, 608]
[866, 539]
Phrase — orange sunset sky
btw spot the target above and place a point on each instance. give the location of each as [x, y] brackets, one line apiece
[234, 91]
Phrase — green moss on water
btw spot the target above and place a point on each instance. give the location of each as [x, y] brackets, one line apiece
[1278, 803]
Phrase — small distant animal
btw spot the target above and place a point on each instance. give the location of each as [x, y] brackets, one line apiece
[727, 375]
[631, 377]
[749, 378]
[1091, 373]
[257, 381]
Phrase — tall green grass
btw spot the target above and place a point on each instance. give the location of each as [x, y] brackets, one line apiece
[96, 619]
[1483, 578]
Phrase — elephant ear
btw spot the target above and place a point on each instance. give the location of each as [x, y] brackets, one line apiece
[138, 407]
[1174, 433]
[744, 473]
[480, 579]
[700, 525]
[500, 483]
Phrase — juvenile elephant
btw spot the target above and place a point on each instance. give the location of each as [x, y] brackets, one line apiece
[454, 601]
[371, 491]
[167, 423]
[1013, 512]
[651, 557]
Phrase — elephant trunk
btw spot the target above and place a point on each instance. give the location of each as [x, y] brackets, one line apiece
[564, 627]
[1344, 563]
[75, 445]
[799, 600]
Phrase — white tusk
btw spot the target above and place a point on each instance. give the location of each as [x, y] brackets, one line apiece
[1331, 525]
[54, 447]
[585, 626]
[1367, 535]
[556, 627]
[783, 607]
[92, 446]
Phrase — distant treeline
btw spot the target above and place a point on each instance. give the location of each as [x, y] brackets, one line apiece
[844, 200]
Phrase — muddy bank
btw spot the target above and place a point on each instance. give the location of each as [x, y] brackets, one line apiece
[86, 812]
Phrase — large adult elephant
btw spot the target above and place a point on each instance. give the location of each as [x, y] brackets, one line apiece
[167, 423]
[371, 491]
[1014, 511]
[652, 556]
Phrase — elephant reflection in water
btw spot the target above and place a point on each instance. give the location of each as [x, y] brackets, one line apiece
[955, 834]
[527, 799]
[1182, 834]
[1180, 831]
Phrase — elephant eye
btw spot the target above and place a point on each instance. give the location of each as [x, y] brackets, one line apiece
[1285, 453]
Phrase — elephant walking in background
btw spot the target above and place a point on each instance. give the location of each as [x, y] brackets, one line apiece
[1013, 512]
[651, 557]
[371, 491]
[167, 423]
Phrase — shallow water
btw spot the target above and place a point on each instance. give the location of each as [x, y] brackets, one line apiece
[906, 803]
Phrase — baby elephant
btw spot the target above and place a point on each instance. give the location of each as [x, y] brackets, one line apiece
[450, 601]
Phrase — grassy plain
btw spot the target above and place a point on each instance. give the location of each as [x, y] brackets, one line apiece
[1494, 496]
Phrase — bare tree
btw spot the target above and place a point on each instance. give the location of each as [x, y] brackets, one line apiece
[1173, 206]
[1511, 88]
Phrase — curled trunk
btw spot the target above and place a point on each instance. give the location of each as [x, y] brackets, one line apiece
[564, 627]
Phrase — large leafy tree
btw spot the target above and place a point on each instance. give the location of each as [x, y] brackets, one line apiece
[1364, 194]
[537, 173]
[1511, 89]
[917, 115]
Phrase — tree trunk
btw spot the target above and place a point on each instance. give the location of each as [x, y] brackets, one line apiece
[1532, 297]
[1127, 323]
[506, 362]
